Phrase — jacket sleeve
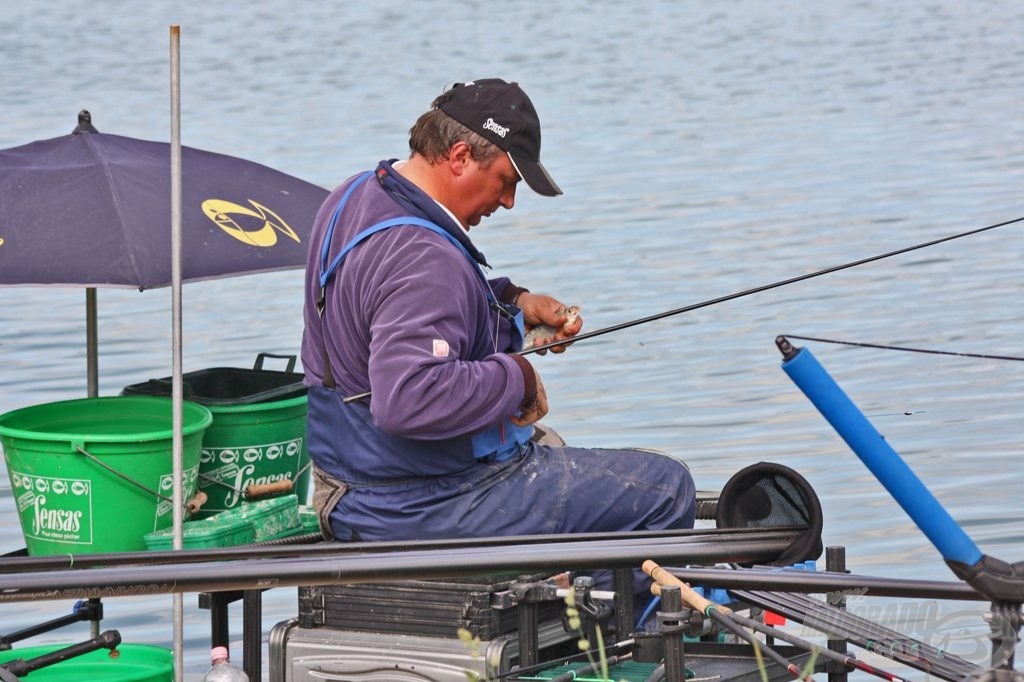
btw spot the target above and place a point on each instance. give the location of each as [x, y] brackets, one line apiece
[433, 368]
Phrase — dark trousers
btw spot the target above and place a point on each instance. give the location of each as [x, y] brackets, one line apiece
[546, 489]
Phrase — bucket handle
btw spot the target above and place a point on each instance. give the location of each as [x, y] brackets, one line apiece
[258, 365]
[162, 387]
[191, 506]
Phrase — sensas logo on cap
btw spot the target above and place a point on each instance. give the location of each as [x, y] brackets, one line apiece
[500, 131]
[265, 234]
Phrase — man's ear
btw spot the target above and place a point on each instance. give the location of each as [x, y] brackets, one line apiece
[459, 157]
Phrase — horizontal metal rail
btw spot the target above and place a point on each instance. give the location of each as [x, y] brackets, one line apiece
[282, 549]
[367, 566]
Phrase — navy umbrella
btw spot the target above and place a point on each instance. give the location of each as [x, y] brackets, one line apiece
[90, 210]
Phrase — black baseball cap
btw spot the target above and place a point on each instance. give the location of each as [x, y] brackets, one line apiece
[503, 114]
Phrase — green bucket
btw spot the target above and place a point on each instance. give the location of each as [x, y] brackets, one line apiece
[70, 502]
[131, 663]
[251, 444]
[258, 435]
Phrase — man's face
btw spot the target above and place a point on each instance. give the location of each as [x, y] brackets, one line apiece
[484, 190]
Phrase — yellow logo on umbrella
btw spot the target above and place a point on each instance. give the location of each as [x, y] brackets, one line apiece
[220, 212]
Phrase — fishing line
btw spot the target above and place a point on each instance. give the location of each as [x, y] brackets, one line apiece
[930, 351]
[766, 287]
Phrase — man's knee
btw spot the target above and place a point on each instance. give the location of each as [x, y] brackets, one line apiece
[677, 504]
[687, 497]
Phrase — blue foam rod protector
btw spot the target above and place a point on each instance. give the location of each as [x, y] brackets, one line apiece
[888, 467]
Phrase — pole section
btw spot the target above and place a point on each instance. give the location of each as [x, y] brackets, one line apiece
[176, 382]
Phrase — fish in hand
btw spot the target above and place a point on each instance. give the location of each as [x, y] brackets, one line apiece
[543, 333]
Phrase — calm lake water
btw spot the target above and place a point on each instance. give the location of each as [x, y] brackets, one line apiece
[705, 148]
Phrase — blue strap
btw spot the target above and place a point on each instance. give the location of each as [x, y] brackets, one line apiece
[399, 222]
[325, 272]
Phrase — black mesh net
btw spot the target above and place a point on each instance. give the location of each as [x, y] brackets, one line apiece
[767, 495]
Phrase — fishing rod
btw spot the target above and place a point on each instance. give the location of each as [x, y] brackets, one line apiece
[845, 659]
[718, 613]
[740, 294]
[764, 287]
[733, 626]
[737, 623]
[824, 617]
[820, 582]
[926, 351]
[873, 637]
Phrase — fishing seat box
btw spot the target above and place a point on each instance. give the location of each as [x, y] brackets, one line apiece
[437, 608]
[300, 654]
[407, 630]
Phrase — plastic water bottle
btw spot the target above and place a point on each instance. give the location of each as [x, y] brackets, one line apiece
[221, 669]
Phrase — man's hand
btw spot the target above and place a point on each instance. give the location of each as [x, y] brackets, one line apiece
[535, 410]
[548, 320]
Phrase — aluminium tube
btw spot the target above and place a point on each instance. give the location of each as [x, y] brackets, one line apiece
[218, 576]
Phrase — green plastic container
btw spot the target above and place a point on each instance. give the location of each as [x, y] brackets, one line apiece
[253, 444]
[271, 519]
[133, 663]
[204, 534]
[70, 503]
[258, 433]
[308, 518]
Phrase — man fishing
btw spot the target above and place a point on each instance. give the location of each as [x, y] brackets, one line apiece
[422, 415]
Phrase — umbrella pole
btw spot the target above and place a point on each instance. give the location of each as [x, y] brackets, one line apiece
[92, 375]
[91, 343]
[176, 385]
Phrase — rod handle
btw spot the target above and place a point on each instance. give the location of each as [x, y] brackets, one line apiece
[662, 577]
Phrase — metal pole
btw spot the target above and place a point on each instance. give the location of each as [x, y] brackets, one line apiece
[835, 562]
[92, 374]
[252, 625]
[218, 576]
[176, 384]
[745, 545]
[670, 625]
[91, 343]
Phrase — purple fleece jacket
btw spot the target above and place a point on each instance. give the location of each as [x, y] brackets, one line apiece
[407, 318]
